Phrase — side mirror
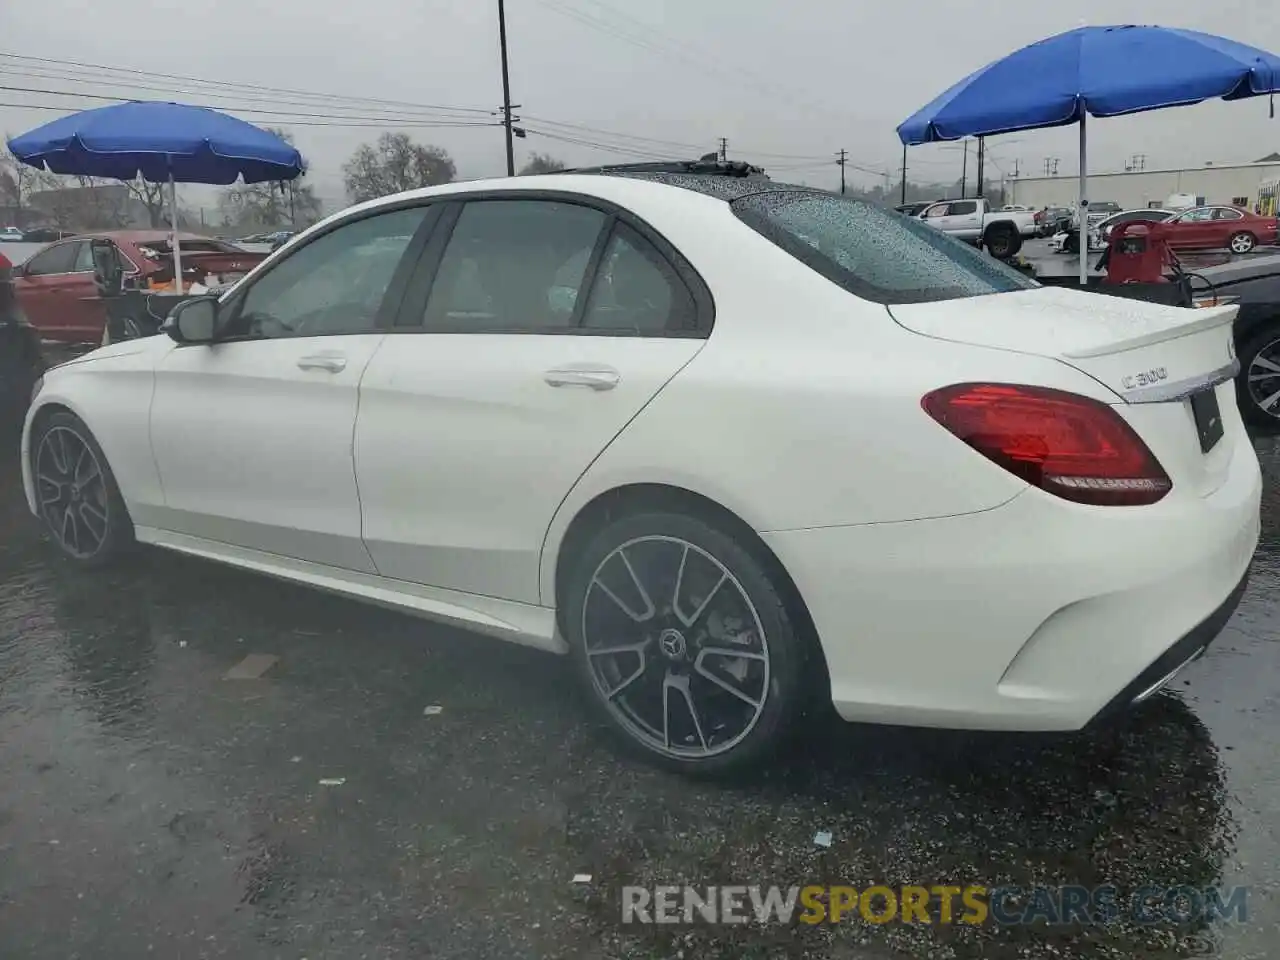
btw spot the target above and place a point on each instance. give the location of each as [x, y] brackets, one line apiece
[193, 321]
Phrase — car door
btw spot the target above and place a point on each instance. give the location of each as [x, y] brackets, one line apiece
[1226, 223]
[83, 312]
[252, 434]
[963, 219]
[546, 326]
[41, 284]
[1192, 229]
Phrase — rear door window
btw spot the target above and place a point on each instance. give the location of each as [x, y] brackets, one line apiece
[52, 260]
[964, 207]
[872, 252]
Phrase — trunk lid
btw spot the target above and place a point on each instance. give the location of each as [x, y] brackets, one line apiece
[1153, 357]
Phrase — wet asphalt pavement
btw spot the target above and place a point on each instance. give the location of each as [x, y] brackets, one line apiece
[151, 807]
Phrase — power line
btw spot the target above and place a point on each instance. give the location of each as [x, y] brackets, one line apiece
[348, 122]
[355, 112]
[631, 30]
[112, 83]
[228, 84]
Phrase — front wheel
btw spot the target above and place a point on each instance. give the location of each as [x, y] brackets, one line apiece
[684, 644]
[76, 492]
[1242, 242]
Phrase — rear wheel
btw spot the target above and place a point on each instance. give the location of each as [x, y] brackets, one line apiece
[1242, 242]
[76, 492]
[684, 644]
[1258, 385]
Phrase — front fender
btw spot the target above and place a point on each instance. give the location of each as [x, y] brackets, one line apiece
[112, 396]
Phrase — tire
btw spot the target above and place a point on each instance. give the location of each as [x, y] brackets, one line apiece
[1242, 242]
[86, 517]
[1264, 342]
[667, 664]
[1002, 242]
[1072, 243]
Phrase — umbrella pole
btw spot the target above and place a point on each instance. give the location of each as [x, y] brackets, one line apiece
[1083, 202]
[173, 220]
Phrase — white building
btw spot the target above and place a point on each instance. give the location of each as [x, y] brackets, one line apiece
[1217, 183]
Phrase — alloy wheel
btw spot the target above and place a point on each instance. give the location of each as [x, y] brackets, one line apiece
[1263, 379]
[675, 647]
[1241, 243]
[72, 492]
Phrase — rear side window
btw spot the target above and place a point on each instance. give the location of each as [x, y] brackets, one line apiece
[875, 253]
[59, 259]
[964, 207]
[636, 290]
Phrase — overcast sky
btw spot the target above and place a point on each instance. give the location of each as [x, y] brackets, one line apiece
[787, 83]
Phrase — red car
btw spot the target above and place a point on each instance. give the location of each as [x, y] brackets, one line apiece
[56, 291]
[1220, 228]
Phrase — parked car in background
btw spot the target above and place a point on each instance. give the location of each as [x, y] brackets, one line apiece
[1252, 284]
[1221, 228]
[390, 408]
[1000, 232]
[58, 294]
[11, 235]
[1102, 233]
[44, 235]
[1053, 220]
[1067, 240]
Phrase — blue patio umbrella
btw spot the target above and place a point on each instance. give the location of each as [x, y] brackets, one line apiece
[161, 142]
[1103, 71]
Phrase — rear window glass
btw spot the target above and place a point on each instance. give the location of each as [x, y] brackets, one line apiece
[875, 253]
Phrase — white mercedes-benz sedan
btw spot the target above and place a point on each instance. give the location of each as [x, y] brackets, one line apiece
[736, 447]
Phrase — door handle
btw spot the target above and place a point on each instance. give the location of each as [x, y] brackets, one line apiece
[333, 364]
[596, 378]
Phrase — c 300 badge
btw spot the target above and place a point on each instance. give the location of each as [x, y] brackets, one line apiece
[1146, 378]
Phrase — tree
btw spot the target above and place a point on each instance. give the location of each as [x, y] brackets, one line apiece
[151, 196]
[253, 206]
[541, 163]
[18, 181]
[393, 164]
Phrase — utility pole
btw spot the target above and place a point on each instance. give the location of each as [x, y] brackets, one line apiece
[1015, 168]
[506, 89]
[904, 173]
[840, 160]
[982, 144]
[724, 149]
[964, 171]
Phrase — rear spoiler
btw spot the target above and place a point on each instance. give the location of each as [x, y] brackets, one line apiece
[1206, 318]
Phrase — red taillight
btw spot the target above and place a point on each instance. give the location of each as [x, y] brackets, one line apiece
[1068, 445]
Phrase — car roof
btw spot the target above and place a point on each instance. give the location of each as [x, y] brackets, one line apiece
[136, 236]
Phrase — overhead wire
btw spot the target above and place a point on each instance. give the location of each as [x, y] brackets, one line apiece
[355, 110]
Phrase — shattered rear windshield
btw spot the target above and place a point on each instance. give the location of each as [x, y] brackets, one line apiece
[874, 253]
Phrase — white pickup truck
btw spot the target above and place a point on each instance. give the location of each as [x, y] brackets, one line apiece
[973, 221]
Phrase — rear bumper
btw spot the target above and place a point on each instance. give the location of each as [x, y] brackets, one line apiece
[1037, 615]
[1165, 667]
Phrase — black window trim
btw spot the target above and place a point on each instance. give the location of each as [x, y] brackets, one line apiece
[411, 316]
[392, 299]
